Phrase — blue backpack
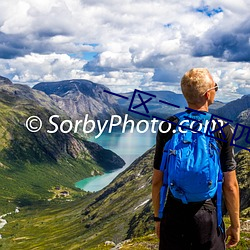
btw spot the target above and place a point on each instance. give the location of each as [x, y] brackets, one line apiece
[191, 162]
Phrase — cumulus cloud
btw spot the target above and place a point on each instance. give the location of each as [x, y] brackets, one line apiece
[125, 45]
[34, 68]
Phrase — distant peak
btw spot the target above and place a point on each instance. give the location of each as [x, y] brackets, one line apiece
[61, 88]
[4, 80]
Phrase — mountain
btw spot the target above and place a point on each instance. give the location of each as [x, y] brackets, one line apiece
[157, 108]
[80, 97]
[154, 106]
[169, 96]
[4, 80]
[232, 109]
[31, 164]
[216, 105]
[239, 112]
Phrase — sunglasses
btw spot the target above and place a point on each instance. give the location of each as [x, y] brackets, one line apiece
[216, 87]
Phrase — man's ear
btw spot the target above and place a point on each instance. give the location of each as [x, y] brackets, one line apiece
[207, 95]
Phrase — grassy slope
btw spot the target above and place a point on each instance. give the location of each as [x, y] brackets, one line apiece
[106, 215]
[150, 242]
[243, 174]
[48, 226]
[61, 225]
[32, 184]
[58, 226]
[28, 168]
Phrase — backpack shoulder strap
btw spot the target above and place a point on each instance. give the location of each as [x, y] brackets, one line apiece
[219, 200]
[181, 115]
[202, 115]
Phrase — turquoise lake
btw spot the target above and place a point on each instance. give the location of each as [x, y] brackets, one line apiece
[129, 146]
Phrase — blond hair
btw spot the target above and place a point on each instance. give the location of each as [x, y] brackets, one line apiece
[195, 83]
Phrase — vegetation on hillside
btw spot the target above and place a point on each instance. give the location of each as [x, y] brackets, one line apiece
[32, 163]
[122, 211]
[243, 174]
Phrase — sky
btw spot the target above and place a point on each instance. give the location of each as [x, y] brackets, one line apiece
[127, 45]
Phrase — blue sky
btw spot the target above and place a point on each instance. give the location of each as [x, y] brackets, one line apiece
[141, 44]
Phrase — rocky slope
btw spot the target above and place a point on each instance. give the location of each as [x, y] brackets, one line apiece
[243, 140]
[127, 199]
[239, 112]
[4, 80]
[80, 97]
[244, 117]
[232, 109]
[31, 163]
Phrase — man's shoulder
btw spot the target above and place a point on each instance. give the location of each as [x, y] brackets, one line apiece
[170, 121]
[173, 118]
[223, 129]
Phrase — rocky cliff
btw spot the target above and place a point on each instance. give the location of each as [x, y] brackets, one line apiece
[80, 97]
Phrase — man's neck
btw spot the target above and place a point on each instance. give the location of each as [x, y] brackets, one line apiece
[199, 107]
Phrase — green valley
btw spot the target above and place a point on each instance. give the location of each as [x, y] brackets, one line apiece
[120, 213]
[32, 163]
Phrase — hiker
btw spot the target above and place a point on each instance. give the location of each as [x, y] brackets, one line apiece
[186, 221]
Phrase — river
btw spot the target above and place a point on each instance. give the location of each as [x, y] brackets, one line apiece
[128, 146]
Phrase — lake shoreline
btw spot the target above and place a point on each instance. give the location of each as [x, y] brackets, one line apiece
[129, 146]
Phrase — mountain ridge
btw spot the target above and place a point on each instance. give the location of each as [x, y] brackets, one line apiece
[232, 109]
[158, 108]
[80, 97]
[4, 80]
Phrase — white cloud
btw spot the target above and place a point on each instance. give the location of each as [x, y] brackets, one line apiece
[34, 68]
[33, 16]
[140, 44]
[117, 81]
[16, 19]
[114, 59]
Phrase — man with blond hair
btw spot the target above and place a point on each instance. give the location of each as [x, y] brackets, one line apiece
[194, 225]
